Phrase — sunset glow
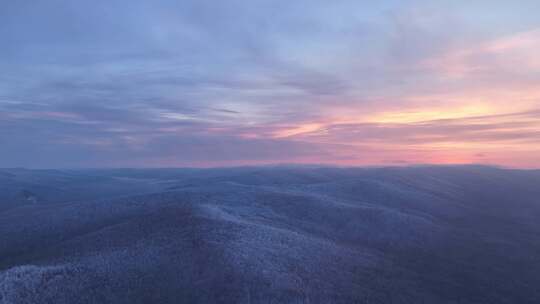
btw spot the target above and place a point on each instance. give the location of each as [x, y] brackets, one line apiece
[190, 84]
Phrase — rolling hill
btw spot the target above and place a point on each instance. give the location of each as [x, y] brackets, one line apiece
[427, 234]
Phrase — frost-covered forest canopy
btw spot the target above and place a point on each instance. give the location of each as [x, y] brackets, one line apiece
[450, 234]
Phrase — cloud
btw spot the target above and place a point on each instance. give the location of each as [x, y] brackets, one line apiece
[264, 81]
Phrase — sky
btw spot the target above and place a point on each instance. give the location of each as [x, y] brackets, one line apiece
[163, 83]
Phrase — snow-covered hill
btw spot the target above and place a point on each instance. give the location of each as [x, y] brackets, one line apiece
[464, 234]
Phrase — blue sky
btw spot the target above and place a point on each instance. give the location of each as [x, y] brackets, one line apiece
[208, 83]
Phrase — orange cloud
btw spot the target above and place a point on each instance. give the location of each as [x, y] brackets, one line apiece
[465, 135]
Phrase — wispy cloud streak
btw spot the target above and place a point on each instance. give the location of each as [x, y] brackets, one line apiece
[205, 83]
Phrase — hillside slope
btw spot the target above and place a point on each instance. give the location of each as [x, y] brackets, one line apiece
[466, 234]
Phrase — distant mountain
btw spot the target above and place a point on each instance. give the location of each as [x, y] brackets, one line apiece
[427, 234]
